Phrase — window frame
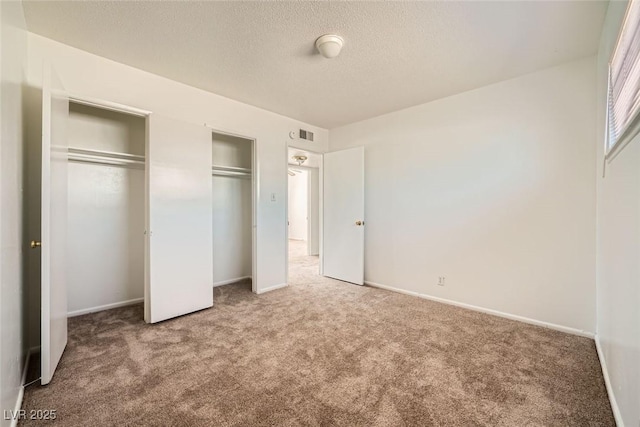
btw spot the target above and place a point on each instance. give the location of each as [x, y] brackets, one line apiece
[632, 129]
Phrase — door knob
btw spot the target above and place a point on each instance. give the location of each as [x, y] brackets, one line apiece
[359, 223]
[35, 244]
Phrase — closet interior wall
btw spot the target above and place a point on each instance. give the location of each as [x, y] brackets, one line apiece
[232, 208]
[106, 197]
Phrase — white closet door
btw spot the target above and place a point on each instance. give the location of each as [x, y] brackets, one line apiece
[343, 207]
[178, 274]
[55, 113]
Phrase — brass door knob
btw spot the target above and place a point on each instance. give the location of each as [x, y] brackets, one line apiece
[35, 244]
[359, 223]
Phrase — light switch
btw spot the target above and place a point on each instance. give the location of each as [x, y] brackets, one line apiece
[273, 197]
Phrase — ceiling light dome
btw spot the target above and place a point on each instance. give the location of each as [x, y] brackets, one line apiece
[329, 45]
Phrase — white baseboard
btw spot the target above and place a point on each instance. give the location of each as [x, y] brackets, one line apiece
[104, 307]
[25, 369]
[271, 288]
[230, 281]
[391, 288]
[607, 382]
[14, 420]
[523, 319]
[23, 380]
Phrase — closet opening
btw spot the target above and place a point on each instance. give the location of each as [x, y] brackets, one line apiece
[304, 206]
[85, 201]
[106, 208]
[233, 187]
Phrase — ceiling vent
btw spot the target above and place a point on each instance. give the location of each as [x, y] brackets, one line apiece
[305, 134]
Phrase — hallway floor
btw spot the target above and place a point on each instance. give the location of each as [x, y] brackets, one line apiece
[302, 267]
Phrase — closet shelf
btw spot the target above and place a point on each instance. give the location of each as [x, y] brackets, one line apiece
[110, 158]
[230, 171]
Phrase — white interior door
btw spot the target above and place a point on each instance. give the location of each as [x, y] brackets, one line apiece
[179, 244]
[55, 113]
[343, 215]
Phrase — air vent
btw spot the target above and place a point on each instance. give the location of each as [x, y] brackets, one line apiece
[305, 134]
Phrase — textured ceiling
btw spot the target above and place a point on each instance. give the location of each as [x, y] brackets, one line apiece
[396, 54]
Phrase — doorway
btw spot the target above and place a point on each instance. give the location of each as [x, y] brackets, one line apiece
[304, 207]
[325, 215]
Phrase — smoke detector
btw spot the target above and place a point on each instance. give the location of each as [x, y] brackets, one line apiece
[302, 134]
[329, 45]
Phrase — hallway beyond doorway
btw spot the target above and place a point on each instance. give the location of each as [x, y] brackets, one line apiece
[303, 268]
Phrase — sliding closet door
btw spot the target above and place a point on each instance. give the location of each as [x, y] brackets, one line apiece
[178, 274]
[55, 113]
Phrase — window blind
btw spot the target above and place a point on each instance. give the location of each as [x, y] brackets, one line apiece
[624, 77]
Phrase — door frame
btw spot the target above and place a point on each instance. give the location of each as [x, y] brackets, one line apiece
[255, 182]
[320, 169]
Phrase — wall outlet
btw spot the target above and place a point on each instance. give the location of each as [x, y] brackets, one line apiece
[440, 280]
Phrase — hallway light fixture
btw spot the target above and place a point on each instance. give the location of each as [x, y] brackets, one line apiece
[329, 45]
[300, 158]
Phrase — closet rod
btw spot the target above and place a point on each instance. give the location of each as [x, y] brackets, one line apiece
[83, 155]
[231, 174]
[230, 171]
[104, 153]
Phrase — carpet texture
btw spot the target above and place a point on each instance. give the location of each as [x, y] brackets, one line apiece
[321, 352]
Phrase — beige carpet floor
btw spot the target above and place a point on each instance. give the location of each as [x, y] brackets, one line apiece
[321, 352]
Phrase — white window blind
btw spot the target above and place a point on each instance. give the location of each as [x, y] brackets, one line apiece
[624, 78]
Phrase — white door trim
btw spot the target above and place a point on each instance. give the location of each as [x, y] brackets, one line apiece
[108, 105]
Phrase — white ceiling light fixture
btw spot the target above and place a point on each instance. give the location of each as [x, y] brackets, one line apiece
[300, 158]
[329, 45]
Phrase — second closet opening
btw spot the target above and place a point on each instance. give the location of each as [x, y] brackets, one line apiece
[233, 210]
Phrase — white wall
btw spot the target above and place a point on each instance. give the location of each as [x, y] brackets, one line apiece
[618, 248]
[492, 188]
[92, 76]
[298, 204]
[106, 212]
[12, 69]
[231, 212]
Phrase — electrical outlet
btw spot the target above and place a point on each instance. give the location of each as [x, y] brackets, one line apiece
[440, 280]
